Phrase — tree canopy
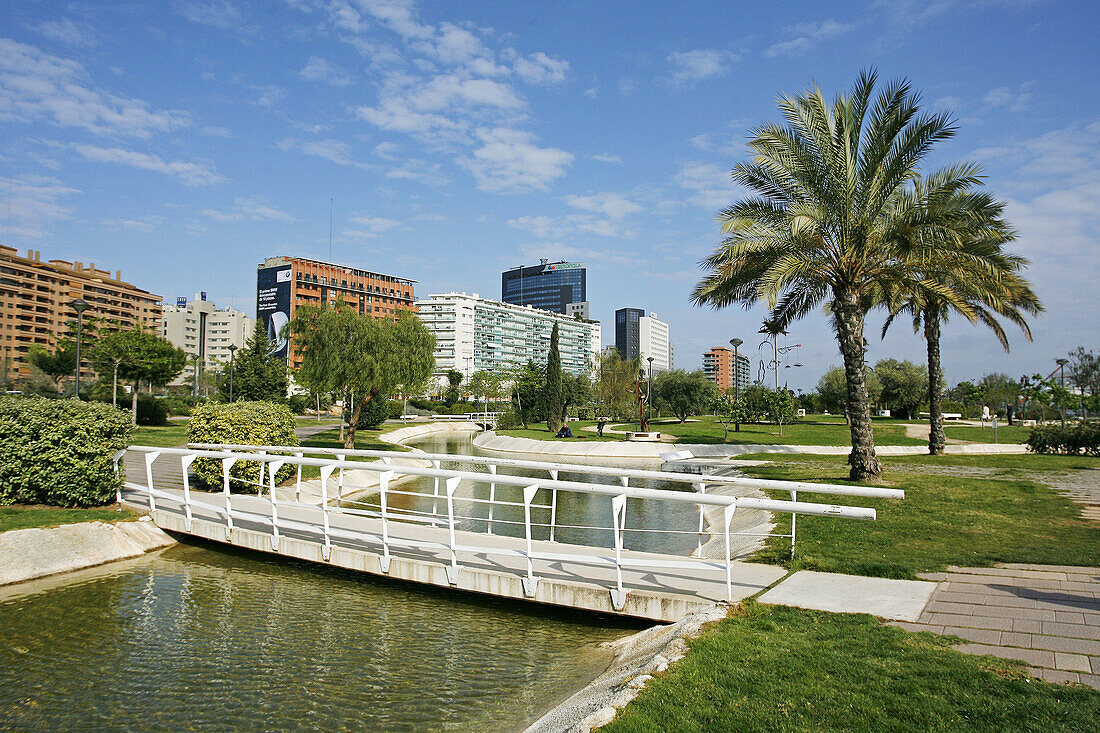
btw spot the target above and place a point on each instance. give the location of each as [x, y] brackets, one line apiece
[360, 356]
[683, 393]
[258, 376]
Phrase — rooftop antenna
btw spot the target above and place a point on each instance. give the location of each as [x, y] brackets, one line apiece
[330, 229]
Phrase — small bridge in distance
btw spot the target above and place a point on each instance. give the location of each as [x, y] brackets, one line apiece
[499, 543]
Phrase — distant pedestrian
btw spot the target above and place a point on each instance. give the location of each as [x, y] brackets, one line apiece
[599, 426]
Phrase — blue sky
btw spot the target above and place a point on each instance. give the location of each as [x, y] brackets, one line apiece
[184, 141]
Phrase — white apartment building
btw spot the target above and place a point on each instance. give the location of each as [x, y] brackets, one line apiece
[474, 333]
[653, 340]
[202, 329]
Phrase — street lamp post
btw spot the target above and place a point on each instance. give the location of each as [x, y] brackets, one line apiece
[736, 343]
[649, 394]
[79, 306]
[1062, 376]
[232, 353]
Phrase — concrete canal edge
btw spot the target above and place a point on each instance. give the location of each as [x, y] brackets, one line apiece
[637, 658]
[27, 554]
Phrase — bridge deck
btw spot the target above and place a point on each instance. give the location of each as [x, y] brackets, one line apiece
[569, 575]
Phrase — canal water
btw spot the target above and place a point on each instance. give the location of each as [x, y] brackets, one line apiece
[204, 637]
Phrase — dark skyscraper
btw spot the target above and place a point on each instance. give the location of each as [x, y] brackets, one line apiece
[551, 286]
[627, 332]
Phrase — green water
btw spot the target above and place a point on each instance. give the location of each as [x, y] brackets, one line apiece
[204, 637]
[201, 638]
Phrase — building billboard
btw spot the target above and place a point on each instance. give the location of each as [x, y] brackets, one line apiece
[273, 305]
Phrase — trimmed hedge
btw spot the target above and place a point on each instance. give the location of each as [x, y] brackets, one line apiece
[58, 452]
[373, 414]
[250, 423]
[151, 411]
[1071, 440]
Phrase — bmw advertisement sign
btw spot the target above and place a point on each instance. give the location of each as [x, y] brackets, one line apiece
[273, 305]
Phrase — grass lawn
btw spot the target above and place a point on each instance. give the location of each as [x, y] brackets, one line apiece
[992, 513]
[771, 668]
[24, 517]
[805, 432]
[539, 431]
[166, 436]
[1005, 433]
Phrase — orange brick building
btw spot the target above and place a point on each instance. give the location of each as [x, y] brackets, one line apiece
[718, 366]
[285, 283]
[35, 297]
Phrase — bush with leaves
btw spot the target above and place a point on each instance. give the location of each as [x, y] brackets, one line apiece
[249, 423]
[1070, 440]
[151, 411]
[373, 414]
[59, 452]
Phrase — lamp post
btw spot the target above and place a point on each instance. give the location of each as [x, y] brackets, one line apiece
[1062, 376]
[649, 394]
[79, 306]
[232, 353]
[736, 343]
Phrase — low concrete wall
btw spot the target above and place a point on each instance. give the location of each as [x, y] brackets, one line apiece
[575, 449]
[399, 436]
[619, 449]
[26, 554]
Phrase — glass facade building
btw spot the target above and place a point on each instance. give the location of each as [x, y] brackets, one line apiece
[548, 286]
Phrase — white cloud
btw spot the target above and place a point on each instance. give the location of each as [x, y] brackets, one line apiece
[1013, 100]
[336, 151]
[189, 174]
[37, 86]
[538, 68]
[710, 184]
[697, 65]
[611, 205]
[67, 32]
[317, 69]
[252, 208]
[370, 227]
[509, 161]
[144, 225]
[36, 202]
[805, 36]
[395, 115]
[214, 13]
[607, 158]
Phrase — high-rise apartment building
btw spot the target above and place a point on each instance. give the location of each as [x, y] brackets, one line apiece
[35, 298]
[474, 333]
[551, 286]
[202, 329]
[721, 367]
[638, 336]
[285, 283]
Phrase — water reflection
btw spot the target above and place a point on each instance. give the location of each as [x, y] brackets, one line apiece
[202, 639]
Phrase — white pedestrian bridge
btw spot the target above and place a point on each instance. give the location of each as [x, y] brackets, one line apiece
[490, 531]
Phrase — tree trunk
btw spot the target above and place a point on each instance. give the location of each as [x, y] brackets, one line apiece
[133, 404]
[849, 323]
[114, 388]
[353, 423]
[936, 437]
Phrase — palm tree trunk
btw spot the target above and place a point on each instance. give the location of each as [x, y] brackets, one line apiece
[849, 326]
[936, 437]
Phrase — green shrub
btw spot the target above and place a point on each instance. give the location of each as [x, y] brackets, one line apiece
[395, 409]
[1071, 440]
[299, 403]
[508, 420]
[59, 452]
[248, 423]
[373, 414]
[151, 411]
[175, 404]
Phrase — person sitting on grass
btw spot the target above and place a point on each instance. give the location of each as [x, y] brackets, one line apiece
[565, 432]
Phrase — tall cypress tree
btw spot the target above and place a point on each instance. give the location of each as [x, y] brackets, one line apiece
[555, 406]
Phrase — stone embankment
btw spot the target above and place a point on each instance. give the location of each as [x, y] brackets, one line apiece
[26, 554]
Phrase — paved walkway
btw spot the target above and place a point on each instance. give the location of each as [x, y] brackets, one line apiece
[1047, 616]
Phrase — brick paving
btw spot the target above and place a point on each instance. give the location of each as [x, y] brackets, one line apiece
[1047, 616]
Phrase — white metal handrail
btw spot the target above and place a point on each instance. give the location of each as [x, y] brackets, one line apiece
[450, 479]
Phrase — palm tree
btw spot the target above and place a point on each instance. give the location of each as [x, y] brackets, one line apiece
[823, 227]
[972, 276]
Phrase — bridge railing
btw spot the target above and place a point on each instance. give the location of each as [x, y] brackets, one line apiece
[623, 475]
[446, 482]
